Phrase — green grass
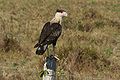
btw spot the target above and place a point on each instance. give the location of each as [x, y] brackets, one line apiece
[88, 47]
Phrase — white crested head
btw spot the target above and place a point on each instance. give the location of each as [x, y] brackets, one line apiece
[58, 16]
[61, 13]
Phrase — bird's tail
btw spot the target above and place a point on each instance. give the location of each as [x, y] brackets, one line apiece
[41, 49]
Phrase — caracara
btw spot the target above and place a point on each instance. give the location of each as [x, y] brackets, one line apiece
[50, 33]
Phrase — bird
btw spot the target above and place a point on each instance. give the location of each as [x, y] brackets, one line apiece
[50, 33]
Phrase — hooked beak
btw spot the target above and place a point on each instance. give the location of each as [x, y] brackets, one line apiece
[65, 14]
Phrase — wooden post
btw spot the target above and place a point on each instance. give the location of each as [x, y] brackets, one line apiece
[50, 68]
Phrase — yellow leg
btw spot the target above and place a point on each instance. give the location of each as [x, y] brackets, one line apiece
[54, 50]
[48, 51]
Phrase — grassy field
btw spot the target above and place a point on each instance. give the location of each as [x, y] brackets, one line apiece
[89, 47]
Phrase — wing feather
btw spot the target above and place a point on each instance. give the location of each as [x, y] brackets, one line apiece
[45, 32]
[49, 33]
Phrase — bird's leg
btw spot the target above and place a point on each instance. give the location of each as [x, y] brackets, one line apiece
[54, 50]
[54, 53]
[48, 51]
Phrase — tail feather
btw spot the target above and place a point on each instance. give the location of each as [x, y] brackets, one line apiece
[36, 45]
[41, 49]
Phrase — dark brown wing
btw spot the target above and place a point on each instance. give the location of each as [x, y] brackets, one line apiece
[44, 34]
[54, 35]
[49, 33]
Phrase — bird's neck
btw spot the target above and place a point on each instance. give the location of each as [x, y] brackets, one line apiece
[56, 19]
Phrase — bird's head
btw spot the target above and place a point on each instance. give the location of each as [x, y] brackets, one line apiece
[61, 13]
[58, 16]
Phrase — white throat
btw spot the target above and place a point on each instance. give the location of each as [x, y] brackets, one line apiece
[57, 19]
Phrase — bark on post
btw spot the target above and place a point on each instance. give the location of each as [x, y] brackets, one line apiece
[50, 68]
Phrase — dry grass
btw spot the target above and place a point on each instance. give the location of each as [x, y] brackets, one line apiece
[88, 47]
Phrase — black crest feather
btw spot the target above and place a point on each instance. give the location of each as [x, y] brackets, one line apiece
[60, 10]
